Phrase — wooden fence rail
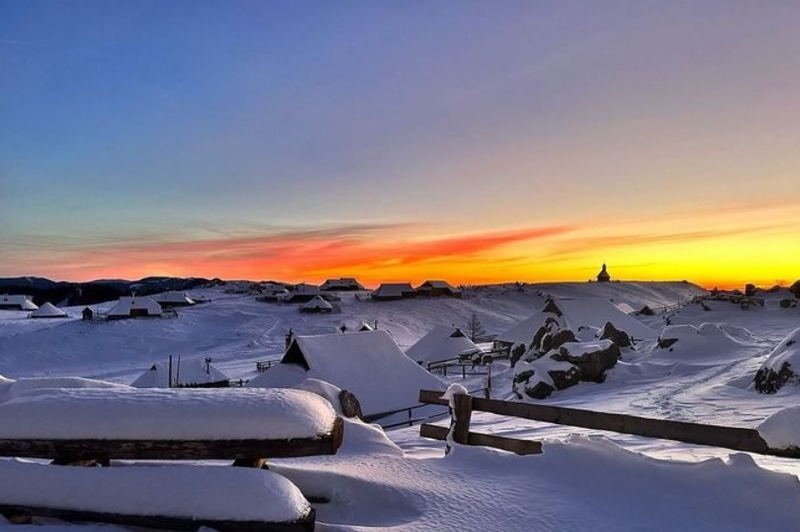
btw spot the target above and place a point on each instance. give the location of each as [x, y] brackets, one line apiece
[738, 439]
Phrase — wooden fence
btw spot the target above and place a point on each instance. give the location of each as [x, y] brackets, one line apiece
[738, 439]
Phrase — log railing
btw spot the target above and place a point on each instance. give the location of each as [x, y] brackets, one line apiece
[738, 439]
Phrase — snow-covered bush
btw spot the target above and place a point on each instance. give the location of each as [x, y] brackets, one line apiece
[781, 365]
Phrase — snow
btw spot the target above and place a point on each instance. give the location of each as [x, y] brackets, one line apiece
[165, 414]
[48, 310]
[595, 312]
[542, 367]
[369, 364]
[577, 349]
[781, 430]
[400, 481]
[127, 306]
[707, 341]
[786, 352]
[441, 343]
[578, 314]
[190, 372]
[12, 388]
[213, 493]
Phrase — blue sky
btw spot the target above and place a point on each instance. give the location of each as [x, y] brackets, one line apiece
[158, 122]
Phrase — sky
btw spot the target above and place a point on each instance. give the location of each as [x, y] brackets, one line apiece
[401, 140]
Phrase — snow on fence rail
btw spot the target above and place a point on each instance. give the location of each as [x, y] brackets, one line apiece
[171, 496]
[739, 439]
[74, 424]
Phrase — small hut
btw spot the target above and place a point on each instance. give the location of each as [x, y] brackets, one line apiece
[135, 307]
[316, 306]
[393, 292]
[17, 302]
[343, 284]
[173, 299]
[191, 373]
[88, 314]
[438, 289]
[48, 310]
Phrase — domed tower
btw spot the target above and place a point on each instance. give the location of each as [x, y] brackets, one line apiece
[603, 276]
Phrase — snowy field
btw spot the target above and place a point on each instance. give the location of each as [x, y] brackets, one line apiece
[584, 480]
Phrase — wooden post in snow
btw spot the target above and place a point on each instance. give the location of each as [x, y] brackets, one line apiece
[462, 415]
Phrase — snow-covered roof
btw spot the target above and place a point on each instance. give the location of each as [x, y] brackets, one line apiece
[369, 364]
[18, 301]
[441, 343]
[318, 303]
[576, 313]
[305, 288]
[179, 298]
[438, 284]
[190, 372]
[342, 283]
[128, 305]
[48, 310]
[393, 290]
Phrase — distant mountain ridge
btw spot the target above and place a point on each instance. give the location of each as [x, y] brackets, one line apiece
[92, 292]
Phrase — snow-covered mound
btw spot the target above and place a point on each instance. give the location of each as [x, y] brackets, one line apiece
[782, 365]
[212, 493]
[709, 340]
[12, 388]
[171, 414]
[368, 364]
[781, 430]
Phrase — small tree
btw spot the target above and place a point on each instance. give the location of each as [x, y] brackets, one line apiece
[475, 327]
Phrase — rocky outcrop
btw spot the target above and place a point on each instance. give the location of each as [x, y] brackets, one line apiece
[539, 374]
[780, 367]
[620, 338]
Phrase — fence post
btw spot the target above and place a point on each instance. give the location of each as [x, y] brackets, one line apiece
[489, 380]
[462, 414]
[463, 371]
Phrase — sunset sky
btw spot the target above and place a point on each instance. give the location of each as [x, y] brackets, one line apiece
[401, 140]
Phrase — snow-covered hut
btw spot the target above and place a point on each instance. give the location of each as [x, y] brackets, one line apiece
[356, 326]
[302, 293]
[574, 314]
[18, 302]
[369, 364]
[438, 289]
[393, 291]
[316, 306]
[189, 373]
[48, 310]
[173, 299]
[441, 343]
[134, 307]
[88, 314]
[343, 284]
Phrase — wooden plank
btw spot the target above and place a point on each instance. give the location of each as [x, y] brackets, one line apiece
[739, 439]
[306, 524]
[521, 447]
[65, 451]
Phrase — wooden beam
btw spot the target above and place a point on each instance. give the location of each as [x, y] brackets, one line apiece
[521, 447]
[67, 451]
[462, 412]
[739, 439]
[306, 524]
